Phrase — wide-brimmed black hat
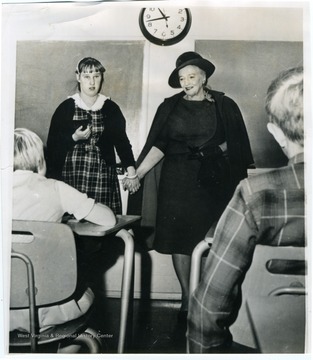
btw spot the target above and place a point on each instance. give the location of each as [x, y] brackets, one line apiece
[190, 58]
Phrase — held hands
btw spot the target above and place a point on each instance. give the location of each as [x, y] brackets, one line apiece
[131, 183]
[81, 134]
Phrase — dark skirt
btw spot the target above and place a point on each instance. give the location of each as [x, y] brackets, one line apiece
[186, 210]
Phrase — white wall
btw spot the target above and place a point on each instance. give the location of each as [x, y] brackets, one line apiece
[119, 21]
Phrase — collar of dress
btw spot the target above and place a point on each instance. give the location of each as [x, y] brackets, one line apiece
[96, 106]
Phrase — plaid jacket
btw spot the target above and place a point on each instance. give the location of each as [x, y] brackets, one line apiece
[265, 209]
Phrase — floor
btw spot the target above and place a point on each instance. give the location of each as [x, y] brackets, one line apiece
[154, 327]
[154, 324]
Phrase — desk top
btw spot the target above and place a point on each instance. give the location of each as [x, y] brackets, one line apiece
[87, 228]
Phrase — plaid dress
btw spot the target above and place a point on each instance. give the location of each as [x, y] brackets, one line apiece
[86, 170]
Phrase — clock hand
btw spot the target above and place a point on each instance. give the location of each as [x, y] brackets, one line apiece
[160, 18]
[164, 16]
[162, 13]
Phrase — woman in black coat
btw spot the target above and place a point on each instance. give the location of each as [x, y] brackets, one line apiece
[195, 154]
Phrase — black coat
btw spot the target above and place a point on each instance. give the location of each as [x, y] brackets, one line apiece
[144, 202]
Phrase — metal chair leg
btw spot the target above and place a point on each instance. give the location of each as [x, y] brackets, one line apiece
[196, 258]
[90, 341]
[31, 297]
[127, 282]
[195, 268]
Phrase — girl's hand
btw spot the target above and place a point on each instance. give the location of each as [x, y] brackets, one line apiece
[132, 185]
[80, 134]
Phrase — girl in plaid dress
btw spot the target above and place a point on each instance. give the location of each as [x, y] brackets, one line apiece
[84, 132]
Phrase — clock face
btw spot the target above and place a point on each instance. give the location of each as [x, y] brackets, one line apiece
[165, 26]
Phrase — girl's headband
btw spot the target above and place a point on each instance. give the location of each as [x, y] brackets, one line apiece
[77, 66]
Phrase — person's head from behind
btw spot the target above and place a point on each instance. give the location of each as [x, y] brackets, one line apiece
[284, 106]
[28, 152]
[90, 76]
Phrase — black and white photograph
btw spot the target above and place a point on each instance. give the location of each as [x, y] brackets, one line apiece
[156, 179]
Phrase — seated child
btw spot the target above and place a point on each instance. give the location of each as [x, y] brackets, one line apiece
[37, 198]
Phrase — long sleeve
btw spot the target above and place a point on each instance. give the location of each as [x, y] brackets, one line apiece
[59, 139]
[121, 141]
[266, 209]
[115, 136]
[216, 301]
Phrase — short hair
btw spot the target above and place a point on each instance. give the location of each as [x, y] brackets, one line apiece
[28, 150]
[284, 103]
[89, 63]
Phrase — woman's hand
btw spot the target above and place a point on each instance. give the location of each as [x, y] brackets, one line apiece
[132, 185]
[81, 134]
[131, 182]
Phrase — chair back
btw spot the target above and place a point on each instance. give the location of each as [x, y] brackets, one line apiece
[51, 249]
[275, 271]
[272, 317]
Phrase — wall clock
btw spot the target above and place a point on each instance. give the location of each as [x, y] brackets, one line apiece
[165, 26]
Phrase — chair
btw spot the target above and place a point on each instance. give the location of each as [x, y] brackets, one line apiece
[273, 301]
[265, 322]
[47, 251]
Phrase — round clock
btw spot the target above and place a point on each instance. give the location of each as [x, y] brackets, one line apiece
[165, 26]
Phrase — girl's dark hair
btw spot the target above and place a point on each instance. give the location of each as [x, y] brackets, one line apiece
[87, 63]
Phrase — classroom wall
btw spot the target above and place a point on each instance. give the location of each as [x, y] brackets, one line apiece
[43, 43]
[42, 46]
[236, 63]
[45, 76]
